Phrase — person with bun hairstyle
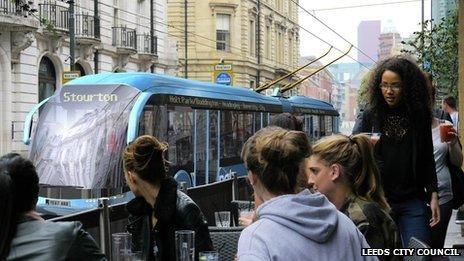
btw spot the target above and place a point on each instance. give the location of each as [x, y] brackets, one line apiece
[24, 234]
[344, 170]
[159, 208]
[290, 225]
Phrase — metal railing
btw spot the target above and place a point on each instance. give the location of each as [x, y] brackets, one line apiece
[124, 37]
[144, 44]
[85, 26]
[54, 16]
[10, 7]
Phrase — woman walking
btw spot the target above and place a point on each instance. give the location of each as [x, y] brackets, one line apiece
[399, 108]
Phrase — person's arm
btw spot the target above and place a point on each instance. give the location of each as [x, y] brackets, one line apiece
[84, 247]
[431, 185]
[359, 125]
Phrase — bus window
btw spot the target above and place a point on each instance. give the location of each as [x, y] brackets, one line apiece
[316, 127]
[201, 144]
[174, 125]
[328, 125]
[213, 145]
[146, 124]
[236, 127]
[322, 126]
[256, 121]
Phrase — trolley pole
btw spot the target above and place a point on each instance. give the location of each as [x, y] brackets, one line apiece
[185, 37]
[72, 44]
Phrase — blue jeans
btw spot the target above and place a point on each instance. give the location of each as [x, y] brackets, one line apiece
[411, 218]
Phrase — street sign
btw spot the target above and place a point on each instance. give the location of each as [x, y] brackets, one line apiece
[223, 74]
[223, 67]
[224, 78]
[68, 76]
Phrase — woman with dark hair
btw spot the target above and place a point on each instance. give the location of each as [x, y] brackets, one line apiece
[291, 225]
[159, 208]
[399, 108]
[344, 170]
[24, 235]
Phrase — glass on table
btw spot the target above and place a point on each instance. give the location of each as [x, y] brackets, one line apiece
[185, 245]
[121, 246]
[208, 256]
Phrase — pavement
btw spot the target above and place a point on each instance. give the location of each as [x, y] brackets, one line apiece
[454, 236]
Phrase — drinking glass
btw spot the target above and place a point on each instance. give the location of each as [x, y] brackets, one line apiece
[445, 129]
[208, 256]
[185, 245]
[121, 246]
[222, 218]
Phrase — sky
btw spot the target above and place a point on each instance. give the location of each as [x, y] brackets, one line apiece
[405, 17]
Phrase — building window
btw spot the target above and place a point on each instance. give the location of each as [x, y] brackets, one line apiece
[223, 32]
[290, 50]
[267, 53]
[252, 43]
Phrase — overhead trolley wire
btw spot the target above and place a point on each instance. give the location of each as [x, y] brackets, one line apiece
[182, 30]
[331, 29]
[366, 5]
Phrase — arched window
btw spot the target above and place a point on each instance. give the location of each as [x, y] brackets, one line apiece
[47, 78]
[78, 67]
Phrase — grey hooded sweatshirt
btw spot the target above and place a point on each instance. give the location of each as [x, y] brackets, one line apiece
[303, 226]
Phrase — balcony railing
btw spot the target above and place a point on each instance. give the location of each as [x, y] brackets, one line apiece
[54, 16]
[144, 44]
[124, 37]
[10, 7]
[85, 26]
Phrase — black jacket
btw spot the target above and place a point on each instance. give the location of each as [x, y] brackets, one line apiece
[174, 211]
[423, 161]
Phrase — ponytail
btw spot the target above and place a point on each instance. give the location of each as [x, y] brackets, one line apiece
[356, 157]
[367, 183]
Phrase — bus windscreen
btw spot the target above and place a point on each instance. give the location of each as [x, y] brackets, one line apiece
[80, 135]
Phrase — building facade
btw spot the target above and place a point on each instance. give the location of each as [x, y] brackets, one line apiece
[257, 40]
[390, 44]
[441, 9]
[321, 85]
[110, 36]
[368, 41]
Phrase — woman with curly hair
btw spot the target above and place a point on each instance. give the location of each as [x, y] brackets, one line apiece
[400, 109]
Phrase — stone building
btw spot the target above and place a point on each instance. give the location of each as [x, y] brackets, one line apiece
[255, 40]
[110, 36]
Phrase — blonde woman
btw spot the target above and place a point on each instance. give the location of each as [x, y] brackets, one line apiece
[343, 169]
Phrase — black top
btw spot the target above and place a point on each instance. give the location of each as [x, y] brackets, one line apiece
[174, 211]
[404, 154]
[396, 146]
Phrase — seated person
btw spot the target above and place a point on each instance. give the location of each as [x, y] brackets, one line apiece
[290, 225]
[159, 208]
[24, 235]
[344, 170]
